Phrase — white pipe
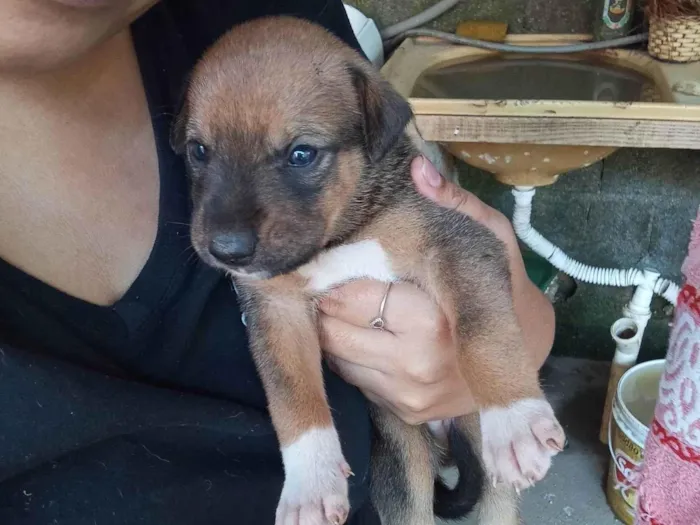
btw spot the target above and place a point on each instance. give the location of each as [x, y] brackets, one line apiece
[522, 214]
[627, 335]
[668, 290]
[639, 307]
[628, 339]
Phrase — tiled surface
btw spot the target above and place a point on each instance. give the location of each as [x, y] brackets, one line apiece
[639, 214]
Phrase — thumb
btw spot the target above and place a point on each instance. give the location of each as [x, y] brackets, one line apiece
[434, 186]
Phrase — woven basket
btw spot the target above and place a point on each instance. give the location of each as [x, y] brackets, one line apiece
[675, 39]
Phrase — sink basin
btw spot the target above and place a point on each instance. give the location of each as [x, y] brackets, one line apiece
[527, 164]
[528, 118]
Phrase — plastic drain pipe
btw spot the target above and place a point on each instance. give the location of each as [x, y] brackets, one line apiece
[627, 336]
[647, 281]
[627, 332]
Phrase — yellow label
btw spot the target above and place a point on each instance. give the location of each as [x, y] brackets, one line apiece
[623, 474]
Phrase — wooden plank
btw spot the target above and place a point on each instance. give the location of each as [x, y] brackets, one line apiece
[555, 109]
[673, 123]
[523, 39]
[563, 131]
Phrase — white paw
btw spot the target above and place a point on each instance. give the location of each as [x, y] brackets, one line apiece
[315, 488]
[519, 442]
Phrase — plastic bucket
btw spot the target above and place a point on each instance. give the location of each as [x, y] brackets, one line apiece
[632, 413]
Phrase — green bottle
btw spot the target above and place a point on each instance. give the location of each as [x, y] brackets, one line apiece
[613, 19]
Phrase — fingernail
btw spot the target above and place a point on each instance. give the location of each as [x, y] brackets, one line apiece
[430, 174]
[553, 444]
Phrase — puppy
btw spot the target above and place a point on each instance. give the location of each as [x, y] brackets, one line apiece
[300, 166]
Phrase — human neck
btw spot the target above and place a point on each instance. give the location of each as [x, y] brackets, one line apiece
[79, 186]
[75, 87]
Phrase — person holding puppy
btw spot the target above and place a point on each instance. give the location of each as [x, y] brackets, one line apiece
[128, 392]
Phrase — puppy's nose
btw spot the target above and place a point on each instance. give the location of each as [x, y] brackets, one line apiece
[233, 247]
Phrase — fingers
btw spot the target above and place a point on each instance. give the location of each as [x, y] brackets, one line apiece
[364, 378]
[374, 386]
[433, 186]
[358, 303]
[372, 349]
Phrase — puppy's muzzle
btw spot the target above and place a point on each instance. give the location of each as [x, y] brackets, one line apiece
[233, 248]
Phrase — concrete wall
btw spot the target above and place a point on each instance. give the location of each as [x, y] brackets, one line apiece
[634, 208]
[522, 16]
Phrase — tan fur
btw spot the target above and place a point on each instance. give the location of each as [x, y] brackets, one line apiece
[334, 202]
[274, 83]
[498, 504]
[485, 356]
[292, 375]
[416, 454]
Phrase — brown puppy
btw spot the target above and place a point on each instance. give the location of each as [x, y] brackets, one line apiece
[299, 161]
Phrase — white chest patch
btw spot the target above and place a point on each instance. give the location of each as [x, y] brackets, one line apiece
[363, 259]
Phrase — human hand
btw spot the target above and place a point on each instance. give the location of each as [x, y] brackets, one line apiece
[413, 369]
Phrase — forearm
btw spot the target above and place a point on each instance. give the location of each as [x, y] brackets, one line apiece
[535, 315]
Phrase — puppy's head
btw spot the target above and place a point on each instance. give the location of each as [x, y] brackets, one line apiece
[280, 124]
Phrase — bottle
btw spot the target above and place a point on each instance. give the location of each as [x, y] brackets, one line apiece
[613, 19]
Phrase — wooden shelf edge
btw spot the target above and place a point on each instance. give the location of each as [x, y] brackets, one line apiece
[554, 109]
[580, 131]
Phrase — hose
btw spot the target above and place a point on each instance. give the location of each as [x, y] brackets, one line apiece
[668, 290]
[418, 20]
[512, 48]
[522, 213]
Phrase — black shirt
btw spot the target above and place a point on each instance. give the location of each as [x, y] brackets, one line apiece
[151, 410]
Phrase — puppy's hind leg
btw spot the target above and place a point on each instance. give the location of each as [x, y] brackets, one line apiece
[520, 432]
[498, 504]
[404, 466]
[462, 448]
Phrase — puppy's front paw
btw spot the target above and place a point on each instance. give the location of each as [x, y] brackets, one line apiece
[315, 488]
[520, 441]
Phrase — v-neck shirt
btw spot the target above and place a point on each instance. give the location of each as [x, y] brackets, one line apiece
[151, 410]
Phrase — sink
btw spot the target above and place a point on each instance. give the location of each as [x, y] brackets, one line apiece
[528, 118]
[529, 77]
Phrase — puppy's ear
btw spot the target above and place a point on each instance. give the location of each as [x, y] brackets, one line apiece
[385, 112]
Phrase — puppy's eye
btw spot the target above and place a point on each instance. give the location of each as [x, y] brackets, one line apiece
[199, 152]
[302, 156]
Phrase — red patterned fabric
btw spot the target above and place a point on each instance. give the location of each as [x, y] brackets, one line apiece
[669, 487]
